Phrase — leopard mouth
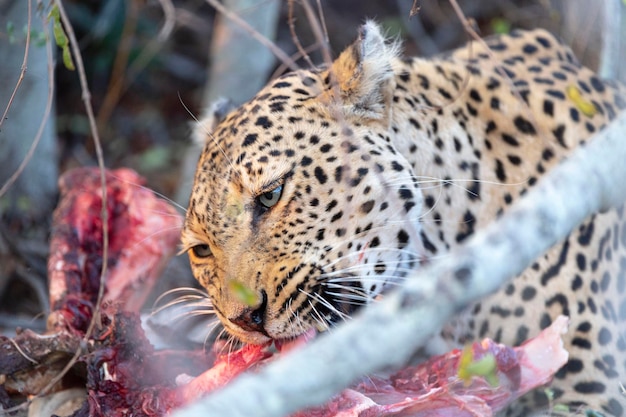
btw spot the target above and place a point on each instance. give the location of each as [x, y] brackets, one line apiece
[282, 344]
[323, 306]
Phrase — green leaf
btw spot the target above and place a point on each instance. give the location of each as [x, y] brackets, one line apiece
[11, 32]
[501, 26]
[549, 394]
[585, 106]
[485, 367]
[59, 34]
[38, 37]
[61, 38]
[244, 293]
[67, 59]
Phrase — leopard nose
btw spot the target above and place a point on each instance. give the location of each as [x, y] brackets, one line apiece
[252, 319]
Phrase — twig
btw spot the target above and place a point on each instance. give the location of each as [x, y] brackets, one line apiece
[114, 91]
[86, 99]
[297, 55]
[415, 8]
[319, 31]
[19, 349]
[388, 332]
[320, 12]
[10, 321]
[104, 215]
[294, 36]
[427, 46]
[121, 83]
[255, 34]
[24, 67]
[169, 12]
[37, 283]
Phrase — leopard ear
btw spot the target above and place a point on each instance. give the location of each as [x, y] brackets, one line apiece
[212, 116]
[364, 75]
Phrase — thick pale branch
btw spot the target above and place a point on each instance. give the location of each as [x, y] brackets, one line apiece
[388, 332]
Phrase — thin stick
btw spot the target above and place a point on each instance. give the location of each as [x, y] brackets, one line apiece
[114, 90]
[103, 214]
[294, 36]
[319, 32]
[99, 155]
[297, 55]
[255, 34]
[23, 71]
[122, 82]
[86, 96]
[320, 12]
[19, 349]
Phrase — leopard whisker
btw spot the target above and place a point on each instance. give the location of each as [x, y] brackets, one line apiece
[181, 317]
[385, 281]
[155, 233]
[379, 278]
[326, 303]
[181, 289]
[193, 294]
[198, 313]
[366, 251]
[350, 258]
[231, 344]
[161, 195]
[206, 131]
[357, 298]
[324, 323]
[213, 326]
[294, 315]
[386, 263]
[425, 179]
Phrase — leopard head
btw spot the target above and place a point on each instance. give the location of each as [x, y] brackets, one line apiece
[302, 209]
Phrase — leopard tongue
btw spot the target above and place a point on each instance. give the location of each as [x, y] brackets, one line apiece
[284, 346]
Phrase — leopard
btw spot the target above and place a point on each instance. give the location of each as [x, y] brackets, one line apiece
[333, 184]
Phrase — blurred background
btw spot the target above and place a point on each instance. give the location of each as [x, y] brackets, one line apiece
[152, 66]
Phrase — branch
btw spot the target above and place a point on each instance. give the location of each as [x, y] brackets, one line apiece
[24, 66]
[387, 333]
[122, 77]
[235, 55]
[282, 56]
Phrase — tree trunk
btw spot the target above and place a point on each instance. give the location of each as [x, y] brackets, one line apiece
[32, 197]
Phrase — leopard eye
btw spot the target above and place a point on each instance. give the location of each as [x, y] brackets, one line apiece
[270, 198]
[201, 251]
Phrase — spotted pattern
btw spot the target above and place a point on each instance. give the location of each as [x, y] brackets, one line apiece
[330, 186]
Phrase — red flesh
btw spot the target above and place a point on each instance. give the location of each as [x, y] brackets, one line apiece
[143, 233]
[125, 376]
